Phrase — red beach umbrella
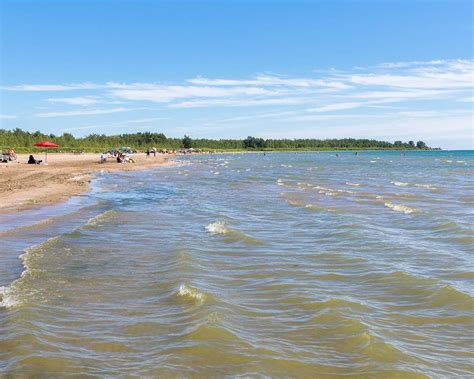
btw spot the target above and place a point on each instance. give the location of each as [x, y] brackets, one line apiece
[47, 145]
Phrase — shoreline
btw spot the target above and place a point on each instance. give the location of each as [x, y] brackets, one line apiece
[25, 186]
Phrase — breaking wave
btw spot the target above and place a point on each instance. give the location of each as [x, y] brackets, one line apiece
[231, 235]
[217, 228]
[189, 292]
[399, 184]
[400, 208]
[95, 221]
[17, 292]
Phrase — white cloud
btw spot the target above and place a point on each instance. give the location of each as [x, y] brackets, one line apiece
[402, 95]
[85, 100]
[166, 94]
[438, 75]
[338, 107]
[264, 80]
[412, 64]
[82, 100]
[53, 87]
[144, 120]
[384, 115]
[7, 117]
[421, 91]
[245, 102]
[116, 125]
[272, 115]
[447, 80]
[431, 130]
[85, 112]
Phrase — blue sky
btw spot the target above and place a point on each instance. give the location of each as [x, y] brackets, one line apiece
[227, 69]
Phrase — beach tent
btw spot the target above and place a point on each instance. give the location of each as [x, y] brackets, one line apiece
[47, 145]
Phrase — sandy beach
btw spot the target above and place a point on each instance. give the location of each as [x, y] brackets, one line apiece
[25, 186]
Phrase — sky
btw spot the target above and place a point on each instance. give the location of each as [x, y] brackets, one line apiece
[389, 70]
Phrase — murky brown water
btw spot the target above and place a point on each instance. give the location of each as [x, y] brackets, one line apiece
[288, 265]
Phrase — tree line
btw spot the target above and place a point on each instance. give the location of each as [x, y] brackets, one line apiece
[21, 140]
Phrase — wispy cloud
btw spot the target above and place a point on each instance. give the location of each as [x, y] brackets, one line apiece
[82, 100]
[53, 87]
[85, 100]
[145, 120]
[116, 125]
[84, 112]
[384, 95]
[339, 107]
[434, 75]
[412, 64]
[7, 116]
[438, 129]
[401, 95]
[397, 80]
[164, 94]
[242, 102]
[269, 115]
[398, 115]
[264, 80]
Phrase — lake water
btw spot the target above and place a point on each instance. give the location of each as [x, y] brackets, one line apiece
[245, 265]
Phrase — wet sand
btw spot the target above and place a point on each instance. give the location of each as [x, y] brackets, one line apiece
[25, 186]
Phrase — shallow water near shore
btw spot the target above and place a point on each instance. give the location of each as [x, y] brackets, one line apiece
[283, 265]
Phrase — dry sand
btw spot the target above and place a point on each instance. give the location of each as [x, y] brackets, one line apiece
[24, 186]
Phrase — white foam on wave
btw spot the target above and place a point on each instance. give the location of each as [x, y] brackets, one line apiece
[280, 182]
[428, 186]
[328, 193]
[353, 184]
[331, 191]
[400, 208]
[399, 184]
[10, 296]
[100, 217]
[316, 207]
[217, 227]
[190, 292]
[231, 235]
[7, 300]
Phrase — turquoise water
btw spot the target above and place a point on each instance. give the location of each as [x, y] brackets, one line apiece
[302, 265]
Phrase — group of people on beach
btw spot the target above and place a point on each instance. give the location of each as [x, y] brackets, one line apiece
[155, 151]
[119, 157]
[8, 156]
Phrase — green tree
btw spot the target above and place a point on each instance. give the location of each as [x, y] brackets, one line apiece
[187, 142]
[421, 145]
[254, 143]
[23, 141]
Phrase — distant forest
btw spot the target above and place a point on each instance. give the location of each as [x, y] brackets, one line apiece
[23, 141]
